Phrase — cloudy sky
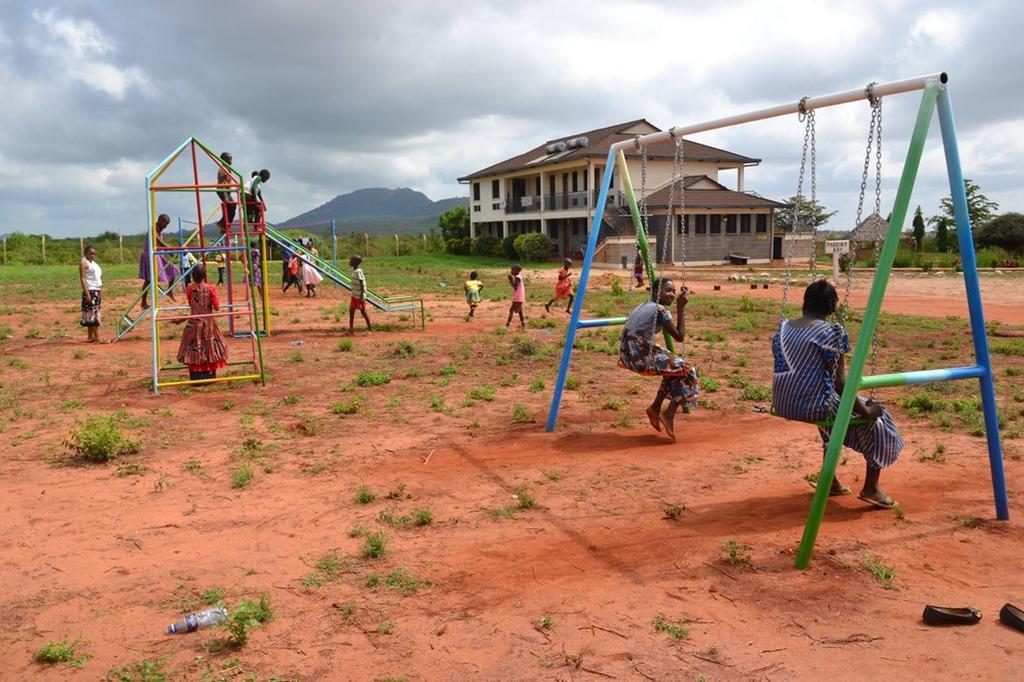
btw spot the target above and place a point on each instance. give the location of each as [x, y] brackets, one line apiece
[336, 96]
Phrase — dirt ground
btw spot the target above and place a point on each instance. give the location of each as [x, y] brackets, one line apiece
[594, 581]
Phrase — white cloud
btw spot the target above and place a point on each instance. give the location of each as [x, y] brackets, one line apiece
[75, 47]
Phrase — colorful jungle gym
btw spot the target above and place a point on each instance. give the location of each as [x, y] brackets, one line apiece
[234, 245]
[935, 94]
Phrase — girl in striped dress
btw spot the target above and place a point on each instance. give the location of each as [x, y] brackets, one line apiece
[808, 379]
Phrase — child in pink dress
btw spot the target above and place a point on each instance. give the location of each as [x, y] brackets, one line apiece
[515, 280]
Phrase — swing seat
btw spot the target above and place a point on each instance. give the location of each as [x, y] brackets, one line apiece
[827, 423]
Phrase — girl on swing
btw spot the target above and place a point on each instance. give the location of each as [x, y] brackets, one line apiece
[638, 352]
[808, 380]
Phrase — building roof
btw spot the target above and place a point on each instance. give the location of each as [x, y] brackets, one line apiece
[600, 140]
[719, 196]
[871, 229]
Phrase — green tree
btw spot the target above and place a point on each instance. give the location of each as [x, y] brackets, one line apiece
[942, 224]
[918, 229]
[812, 213]
[980, 209]
[454, 223]
[1005, 231]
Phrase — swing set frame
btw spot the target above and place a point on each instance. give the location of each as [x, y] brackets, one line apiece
[935, 95]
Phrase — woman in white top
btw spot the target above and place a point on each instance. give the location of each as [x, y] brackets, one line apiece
[91, 276]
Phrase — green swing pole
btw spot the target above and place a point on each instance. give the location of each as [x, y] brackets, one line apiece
[856, 372]
[641, 233]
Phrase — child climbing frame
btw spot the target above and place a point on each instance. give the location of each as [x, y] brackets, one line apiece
[935, 93]
[196, 245]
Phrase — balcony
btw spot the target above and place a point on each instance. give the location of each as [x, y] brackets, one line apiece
[523, 205]
[566, 202]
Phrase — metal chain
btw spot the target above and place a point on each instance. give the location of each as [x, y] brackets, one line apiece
[876, 115]
[680, 160]
[814, 197]
[807, 118]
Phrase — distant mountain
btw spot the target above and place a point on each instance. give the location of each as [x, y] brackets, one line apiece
[377, 210]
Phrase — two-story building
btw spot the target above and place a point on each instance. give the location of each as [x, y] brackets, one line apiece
[553, 189]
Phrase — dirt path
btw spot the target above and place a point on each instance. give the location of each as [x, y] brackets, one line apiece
[114, 558]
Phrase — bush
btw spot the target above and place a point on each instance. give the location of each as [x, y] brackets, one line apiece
[508, 248]
[99, 439]
[485, 244]
[459, 246]
[248, 615]
[533, 246]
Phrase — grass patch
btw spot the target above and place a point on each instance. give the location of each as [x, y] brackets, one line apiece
[241, 477]
[63, 651]
[99, 438]
[708, 385]
[752, 391]
[149, 670]
[737, 554]
[521, 415]
[248, 615]
[364, 495]
[502, 513]
[936, 456]
[375, 545]
[881, 572]
[402, 350]
[346, 407]
[485, 392]
[404, 582]
[675, 631]
[371, 379]
[343, 346]
[674, 512]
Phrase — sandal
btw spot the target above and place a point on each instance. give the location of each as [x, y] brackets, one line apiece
[883, 503]
[1012, 616]
[842, 490]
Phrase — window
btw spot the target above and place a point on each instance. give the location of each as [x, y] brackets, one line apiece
[476, 191]
[495, 189]
[537, 186]
[551, 184]
[716, 224]
[745, 223]
[762, 223]
[553, 229]
[575, 228]
[575, 182]
[701, 224]
[476, 208]
[496, 206]
[730, 224]
[585, 176]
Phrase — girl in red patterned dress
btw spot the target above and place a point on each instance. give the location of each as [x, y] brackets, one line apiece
[202, 346]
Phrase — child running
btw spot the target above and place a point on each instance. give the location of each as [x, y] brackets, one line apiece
[291, 269]
[202, 347]
[358, 298]
[638, 270]
[515, 280]
[563, 287]
[473, 287]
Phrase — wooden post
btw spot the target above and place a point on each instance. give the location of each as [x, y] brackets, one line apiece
[396, 245]
[366, 237]
[42, 241]
[120, 246]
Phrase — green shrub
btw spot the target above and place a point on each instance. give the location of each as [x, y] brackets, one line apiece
[62, 652]
[344, 346]
[375, 545]
[756, 393]
[533, 247]
[485, 244]
[508, 248]
[99, 438]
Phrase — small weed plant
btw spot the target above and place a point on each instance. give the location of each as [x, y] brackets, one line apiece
[99, 438]
[248, 615]
[737, 554]
[675, 631]
[63, 651]
[881, 572]
[521, 415]
[375, 545]
[371, 379]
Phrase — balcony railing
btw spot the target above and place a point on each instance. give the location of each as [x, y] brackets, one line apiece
[523, 205]
[566, 202]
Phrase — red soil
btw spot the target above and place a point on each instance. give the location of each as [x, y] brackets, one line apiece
[92, 554]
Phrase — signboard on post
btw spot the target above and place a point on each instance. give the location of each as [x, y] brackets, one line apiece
[836, 247]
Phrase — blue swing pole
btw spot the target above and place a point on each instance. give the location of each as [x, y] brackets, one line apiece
[965, 239]
[581, 290]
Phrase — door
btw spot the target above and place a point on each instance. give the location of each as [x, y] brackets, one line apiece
[777, 248]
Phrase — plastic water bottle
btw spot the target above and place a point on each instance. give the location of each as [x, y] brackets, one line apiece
[197, 621]
[298, 342]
